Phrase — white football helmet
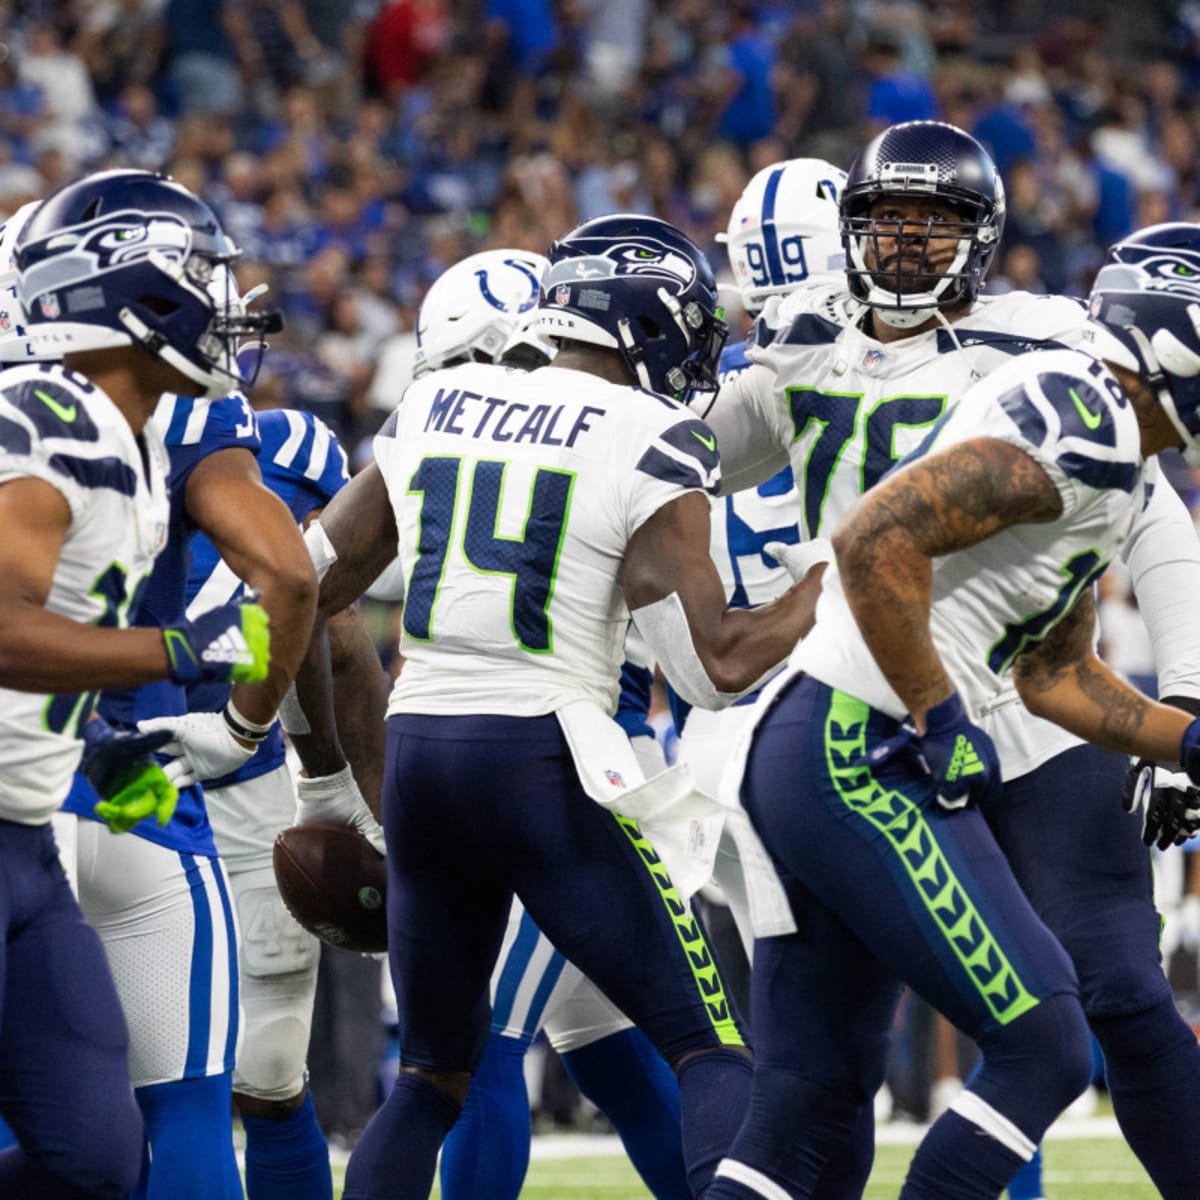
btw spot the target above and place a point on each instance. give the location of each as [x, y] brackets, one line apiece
[484, 308]
[15, 345]
[783, 231]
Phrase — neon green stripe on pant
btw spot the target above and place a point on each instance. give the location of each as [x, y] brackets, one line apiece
[904, 826]
[691, 938]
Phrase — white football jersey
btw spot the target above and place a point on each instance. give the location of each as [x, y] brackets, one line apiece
[844, 408]
[995, 600]
[58, 427]
[515, 495]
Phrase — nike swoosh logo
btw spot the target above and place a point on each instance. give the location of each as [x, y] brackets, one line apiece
[1090, 419]
[709, 443]
[63, 414]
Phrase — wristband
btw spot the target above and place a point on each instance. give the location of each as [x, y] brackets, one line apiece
[243, 727]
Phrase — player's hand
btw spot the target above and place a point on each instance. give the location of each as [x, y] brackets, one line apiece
[142, 790]
[799, 558]
[231, 644]
[958, 755]
[202, 745]
[130, 783]
[336, 798]
[1169, 801]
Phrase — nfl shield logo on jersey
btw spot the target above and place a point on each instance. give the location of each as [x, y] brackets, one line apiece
[873, 360]
[5, 322]
[49, 306]
[562, 294]
[615, 778]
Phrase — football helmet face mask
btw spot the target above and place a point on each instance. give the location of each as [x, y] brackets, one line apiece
[783, 231]
[1144, 311]
[896, 266]
[483, 308]
[639, 286]
[133, 258]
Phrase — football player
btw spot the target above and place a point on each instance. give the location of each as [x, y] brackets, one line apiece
[302, 463]
[84, 501]
[533, 512]
[484, 309]
[160, 898]
[847, 382]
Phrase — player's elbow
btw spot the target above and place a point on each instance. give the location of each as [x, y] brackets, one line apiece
[289, 585]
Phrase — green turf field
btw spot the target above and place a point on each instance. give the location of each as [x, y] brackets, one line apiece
[1076, 1169]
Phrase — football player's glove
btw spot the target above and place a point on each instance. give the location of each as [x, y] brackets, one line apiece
[1168, 800]
[230, 643]
[202, 744]
[958, 755]
[799, 558]
[336, 798]
[130, 783]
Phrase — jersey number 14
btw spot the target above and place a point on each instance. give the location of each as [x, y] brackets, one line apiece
[530, 561]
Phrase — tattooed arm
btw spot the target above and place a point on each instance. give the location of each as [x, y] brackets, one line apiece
[1062, 680]
[945, 502]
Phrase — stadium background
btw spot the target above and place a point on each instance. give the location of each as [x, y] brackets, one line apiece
[356, 148]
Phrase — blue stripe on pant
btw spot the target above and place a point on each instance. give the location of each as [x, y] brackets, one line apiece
[476, 808]
[516, 975]
[201, 981]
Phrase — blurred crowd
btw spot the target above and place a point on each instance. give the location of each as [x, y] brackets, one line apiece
[355, 148]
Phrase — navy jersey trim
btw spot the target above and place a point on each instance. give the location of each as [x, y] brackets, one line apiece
[810, 330]
[97, 472]
[53, 410]
[1005, 343]
[1025, 415]
[1098, 474]
[14, 438]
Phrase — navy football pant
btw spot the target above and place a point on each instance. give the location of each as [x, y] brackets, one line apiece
[886, 886]
[1079, 858]
[64, 1073]
[475, 809]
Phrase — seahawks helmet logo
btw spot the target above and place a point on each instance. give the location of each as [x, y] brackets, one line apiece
[1174, 272]
[118, 241]
[638, 256]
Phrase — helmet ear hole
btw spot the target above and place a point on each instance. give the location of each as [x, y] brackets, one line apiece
[160, 306]
[649, 327]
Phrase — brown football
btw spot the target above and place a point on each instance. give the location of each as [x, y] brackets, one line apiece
[334, 883]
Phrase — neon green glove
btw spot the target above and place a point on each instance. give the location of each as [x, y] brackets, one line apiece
[137, 792]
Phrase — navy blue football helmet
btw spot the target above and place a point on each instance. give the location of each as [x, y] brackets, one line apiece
[927, 159]
[125, 258]
[639, 286]
[1145, 316]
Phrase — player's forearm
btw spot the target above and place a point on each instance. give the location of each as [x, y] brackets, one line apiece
[309, 717]
[746, 643]
[1090, 700]
[290, 597]
[360, 692]
[41, 651]
[888, 589]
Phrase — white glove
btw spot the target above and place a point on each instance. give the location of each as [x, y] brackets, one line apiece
[203, 746]
[801, 557]
[336, 798]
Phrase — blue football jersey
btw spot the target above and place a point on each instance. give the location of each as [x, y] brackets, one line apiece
[304, 464]
[192, 430]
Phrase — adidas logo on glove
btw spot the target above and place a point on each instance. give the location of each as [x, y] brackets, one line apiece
[228, 648]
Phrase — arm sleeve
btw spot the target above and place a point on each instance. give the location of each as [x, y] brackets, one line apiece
[1163, 555]
[751, 451]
